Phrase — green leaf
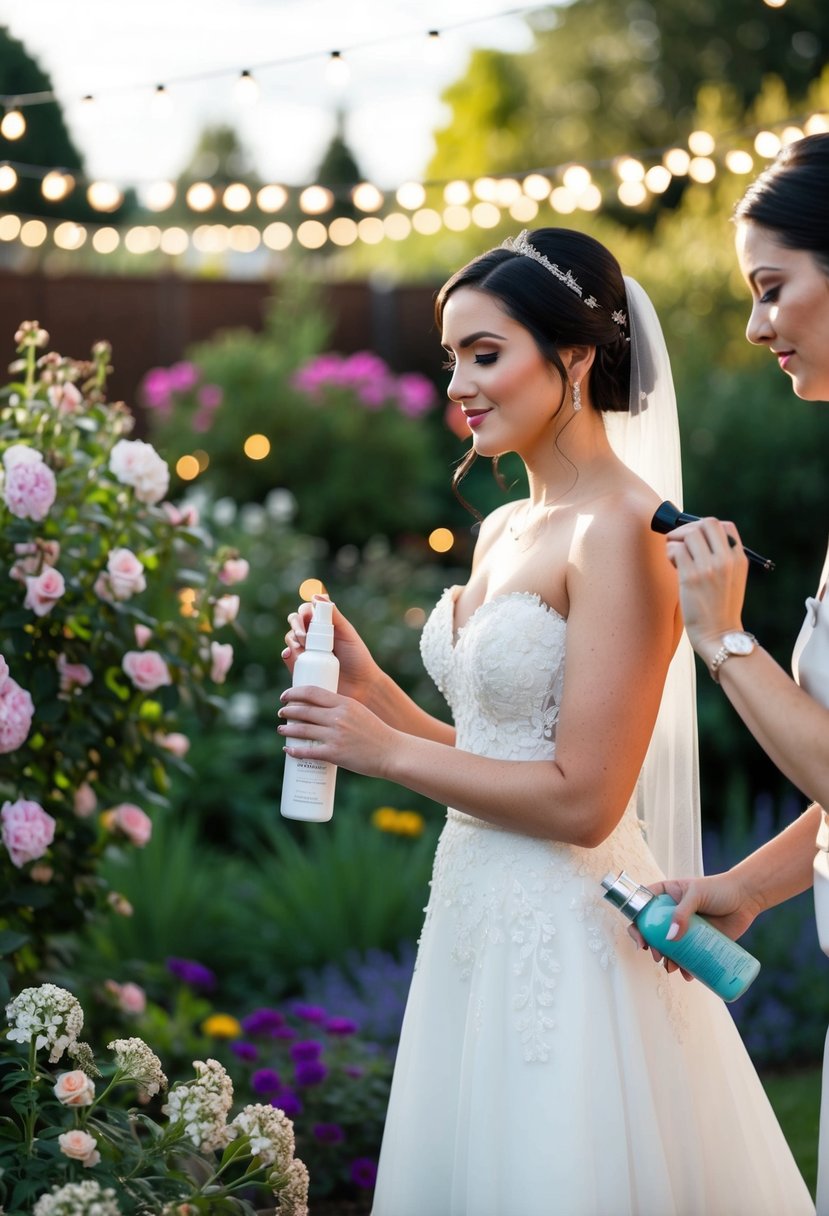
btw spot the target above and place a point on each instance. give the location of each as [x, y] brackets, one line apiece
[10, 941]
[117, 684]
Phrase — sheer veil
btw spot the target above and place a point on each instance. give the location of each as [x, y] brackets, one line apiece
[647, 439]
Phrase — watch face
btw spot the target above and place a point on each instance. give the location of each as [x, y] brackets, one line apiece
[738, 643]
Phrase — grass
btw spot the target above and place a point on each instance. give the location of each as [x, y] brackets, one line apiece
[795, 1097]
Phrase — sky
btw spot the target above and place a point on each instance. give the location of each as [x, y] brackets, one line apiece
[119, 50]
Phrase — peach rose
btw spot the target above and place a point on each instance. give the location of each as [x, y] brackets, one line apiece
[79, 1146]
[84, 801]
[133, 822]
[175, 743]
[75, 1088]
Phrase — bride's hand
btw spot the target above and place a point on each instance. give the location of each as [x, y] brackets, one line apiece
[357, 667]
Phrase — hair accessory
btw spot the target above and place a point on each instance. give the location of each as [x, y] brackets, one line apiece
[520, 244]
[619, 317]
[575, 391]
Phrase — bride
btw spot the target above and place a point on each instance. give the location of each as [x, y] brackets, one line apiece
[545, 1066]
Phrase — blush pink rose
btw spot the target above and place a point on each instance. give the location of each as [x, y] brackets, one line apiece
[43, 591]
[66, 398]
[175, 743]
[143, 633]
[126, 574]
[72, 675]
[4, 672]
[33, 556]
[27, 830]
[225, 610]
[79, 1146]
[181, 517]
[146, 669]
[130, 998]
[234, 570]
[84, 800]
[137, 464]
[16, 712]
[30, 488]
[103, 590]
[221, 659]
[75, 1088]
[133, 822]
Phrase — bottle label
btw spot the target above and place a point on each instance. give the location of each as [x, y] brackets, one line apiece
[312, 779]
[710, 955]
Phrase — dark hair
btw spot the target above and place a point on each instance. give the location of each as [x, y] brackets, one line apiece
[553, 313]
[790, 197]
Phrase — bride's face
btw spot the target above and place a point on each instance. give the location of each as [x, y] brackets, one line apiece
[790, 309]
[509, 393]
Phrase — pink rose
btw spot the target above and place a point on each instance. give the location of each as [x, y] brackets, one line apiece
[84, 801]
[33, 556]
[221, 659]
[132, 821]
[142, 635]
[225, 610]
[234, 570]
[137, 464]
[16, 712]
[4, 672]
[130, 998]
[79, 1146]
[181, 517]
[146, 669]
[126, 574]
[175, 743]
[30, 488]
[75, 1088]
[72, 675]
[43, 591]
[65, 398]
[27, 831]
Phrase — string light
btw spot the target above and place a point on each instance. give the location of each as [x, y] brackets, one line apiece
[337, 71]
[12, 125]
[247, 90]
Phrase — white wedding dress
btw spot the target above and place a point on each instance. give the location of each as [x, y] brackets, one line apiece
[546, 1066]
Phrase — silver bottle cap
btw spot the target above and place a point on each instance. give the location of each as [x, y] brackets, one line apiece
[626, 895]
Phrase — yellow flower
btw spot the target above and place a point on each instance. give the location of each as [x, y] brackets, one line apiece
[401, 823]
[221, 1026]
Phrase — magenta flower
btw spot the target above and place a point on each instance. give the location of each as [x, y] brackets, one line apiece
[183, 376]
[415, 394]
[27, 830]
[156, 390]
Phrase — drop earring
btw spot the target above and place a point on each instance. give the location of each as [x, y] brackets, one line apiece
[575, 392]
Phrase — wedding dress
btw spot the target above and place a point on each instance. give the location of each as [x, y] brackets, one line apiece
[546, 1066]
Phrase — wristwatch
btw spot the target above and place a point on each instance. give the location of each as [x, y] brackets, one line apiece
[738, 643]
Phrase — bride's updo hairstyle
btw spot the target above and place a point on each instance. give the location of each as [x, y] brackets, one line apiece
[589, 309]
[790, 198]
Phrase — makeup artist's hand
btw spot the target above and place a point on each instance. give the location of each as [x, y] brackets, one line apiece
[720, 898]
[321, 725]
[357, 667]
[712, 579]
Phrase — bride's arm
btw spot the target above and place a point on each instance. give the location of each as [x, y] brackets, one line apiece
[620, 636]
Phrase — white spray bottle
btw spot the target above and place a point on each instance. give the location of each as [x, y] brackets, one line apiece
[308, 785]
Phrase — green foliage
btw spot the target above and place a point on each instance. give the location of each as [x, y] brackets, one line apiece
[88, 712]
[345, 437]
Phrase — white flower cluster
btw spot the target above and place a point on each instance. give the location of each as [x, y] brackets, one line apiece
[136, 1062]
[293, 1197]
[139, 465]
[78, 1199]
[271, 1134]
[49, 1015]
[202, 1106]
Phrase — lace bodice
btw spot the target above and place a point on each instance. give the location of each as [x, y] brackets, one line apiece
[504, 700]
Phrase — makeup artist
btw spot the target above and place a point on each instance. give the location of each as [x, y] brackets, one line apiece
[783, 251]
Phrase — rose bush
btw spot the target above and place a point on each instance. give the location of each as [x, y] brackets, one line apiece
[110, 601]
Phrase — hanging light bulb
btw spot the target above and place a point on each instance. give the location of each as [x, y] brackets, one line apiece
[337, 70]
[161, 100]
[434, 47]
[12, 125]
[247, 90]
[56, 185]
[8, 178]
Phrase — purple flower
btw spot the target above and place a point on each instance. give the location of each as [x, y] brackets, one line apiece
[310, 1072]
[265, 1081]
[263, 1021]
[244, 1051]
[190, 972]
[329, 1133]
[363, 1172]
[353, 1070]
[288, 1102]
[341, 1026]
[284, 1032]
[309, 1013]
[306, 1051]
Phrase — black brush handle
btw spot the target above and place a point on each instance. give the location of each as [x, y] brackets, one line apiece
[667, 517]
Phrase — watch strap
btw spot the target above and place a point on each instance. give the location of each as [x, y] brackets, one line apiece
[724, 653]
